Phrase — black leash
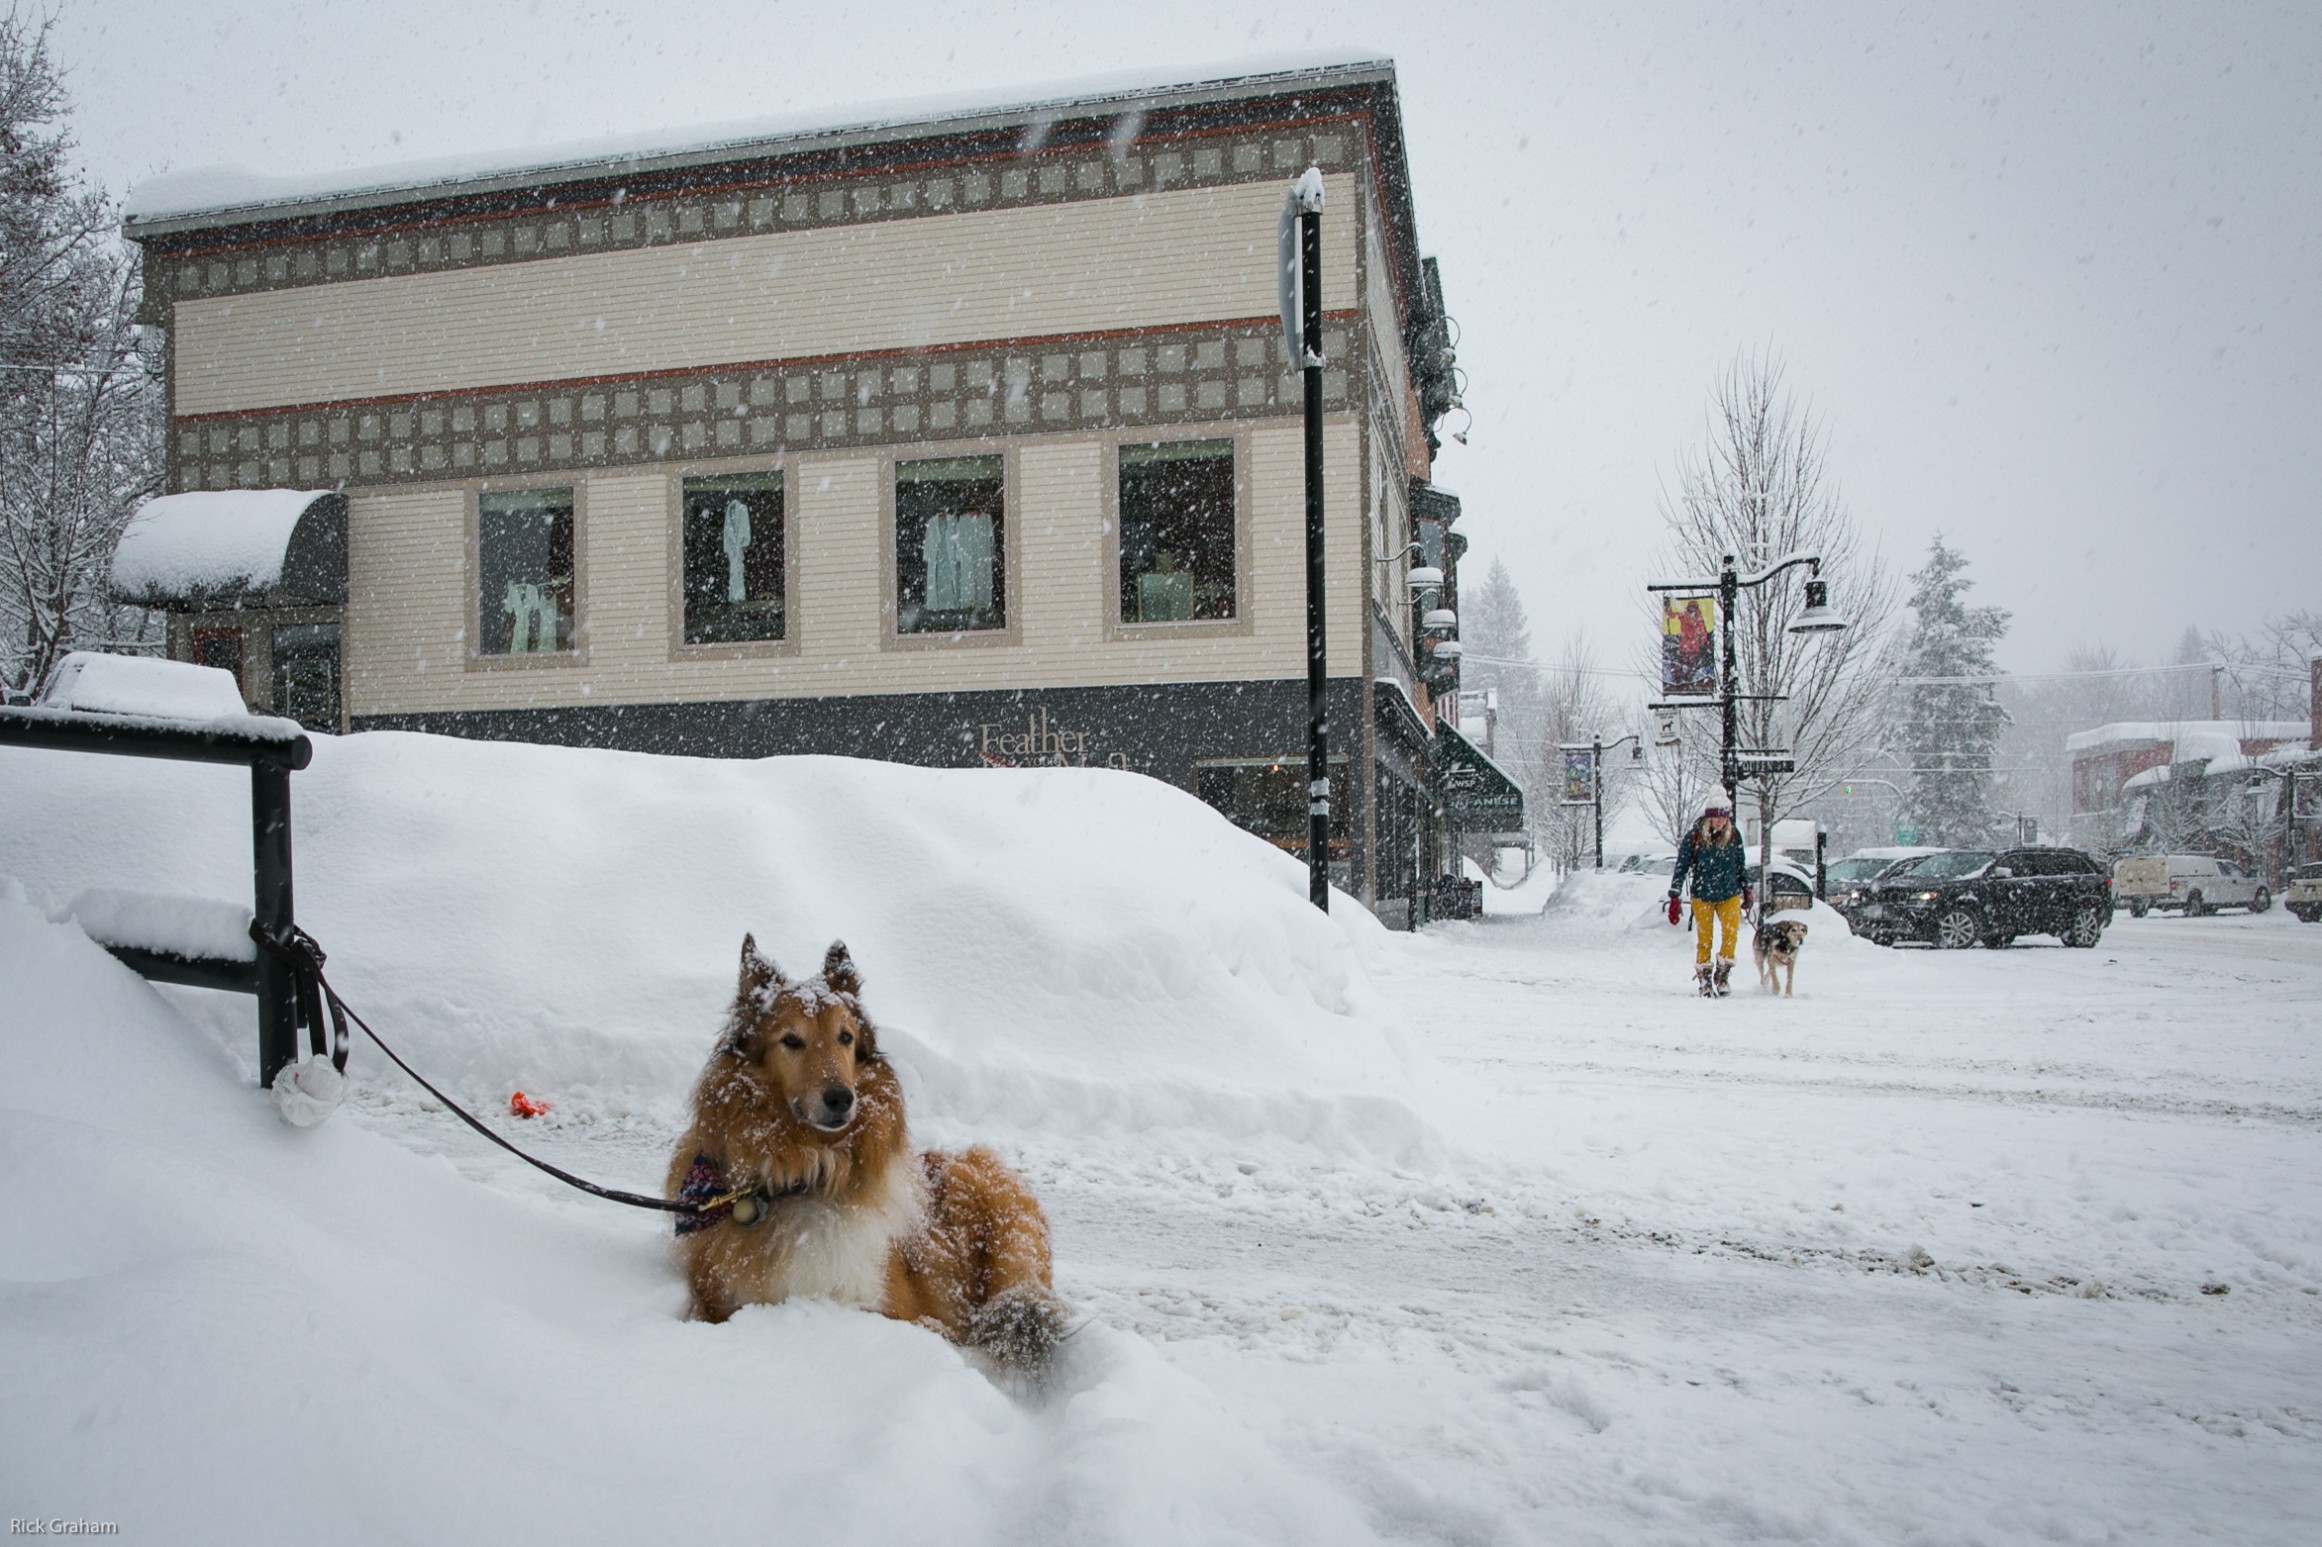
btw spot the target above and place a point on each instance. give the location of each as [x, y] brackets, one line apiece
[304, 956]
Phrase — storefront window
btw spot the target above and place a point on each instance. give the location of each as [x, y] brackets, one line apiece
[1268, 797]
[524, 550]
[1177, 531]
[733, 539]
[951, 572]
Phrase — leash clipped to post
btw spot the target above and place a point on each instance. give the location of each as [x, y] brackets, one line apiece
[308, 1091]
[307, 1104]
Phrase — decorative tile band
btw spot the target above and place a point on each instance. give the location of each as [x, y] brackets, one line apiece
[1230, 371]
[782, 202]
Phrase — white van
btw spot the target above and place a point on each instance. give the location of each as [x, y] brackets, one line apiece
[2196, 883]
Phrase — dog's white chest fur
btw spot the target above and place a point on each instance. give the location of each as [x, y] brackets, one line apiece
[838, 1251]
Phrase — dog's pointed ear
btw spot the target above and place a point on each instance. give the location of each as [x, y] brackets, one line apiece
[838, 969]
[757, 970]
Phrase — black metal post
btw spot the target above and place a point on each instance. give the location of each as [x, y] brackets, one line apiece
[1596, 785]
[271, 907]
[1729, 759]
[1317, 666]
[273, 750]
[1821, 863]
[2293, 841]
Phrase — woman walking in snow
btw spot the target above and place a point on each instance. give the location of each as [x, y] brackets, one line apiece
[1714, 855]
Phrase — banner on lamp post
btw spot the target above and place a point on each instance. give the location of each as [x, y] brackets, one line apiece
[1579, 776]
[1688, 646]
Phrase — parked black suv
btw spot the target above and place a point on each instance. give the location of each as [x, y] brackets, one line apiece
[1962, 896]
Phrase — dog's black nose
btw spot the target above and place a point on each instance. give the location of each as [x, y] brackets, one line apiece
[836, 1099]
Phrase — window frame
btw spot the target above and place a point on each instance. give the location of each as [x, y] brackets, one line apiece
[1011, 548]
[1119, 630]
[680, 650]
[471, 592]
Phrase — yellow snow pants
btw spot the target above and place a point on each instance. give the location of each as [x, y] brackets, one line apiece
[1726, 916]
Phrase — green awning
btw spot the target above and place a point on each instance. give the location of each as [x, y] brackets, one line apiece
[1477, 795]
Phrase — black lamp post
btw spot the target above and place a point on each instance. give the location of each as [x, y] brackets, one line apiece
[1300, 275]
[1598, 747]
[1818, 618]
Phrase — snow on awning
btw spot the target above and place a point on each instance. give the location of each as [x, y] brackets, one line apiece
[1477, 793]
[273, 547]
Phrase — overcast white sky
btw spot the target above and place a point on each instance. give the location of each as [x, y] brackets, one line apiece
[2051, 274]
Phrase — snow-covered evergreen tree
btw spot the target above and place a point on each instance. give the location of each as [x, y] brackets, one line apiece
[1498, 639]
[1950, 728]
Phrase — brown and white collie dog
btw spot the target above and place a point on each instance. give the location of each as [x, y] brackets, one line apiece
[799, 1144]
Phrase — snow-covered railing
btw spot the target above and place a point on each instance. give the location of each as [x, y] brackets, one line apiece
[166, 930]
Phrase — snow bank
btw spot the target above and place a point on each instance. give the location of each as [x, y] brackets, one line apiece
[192, 927]
[1605, 903]
[146, 686]
[1062, 950]
[221, 1329]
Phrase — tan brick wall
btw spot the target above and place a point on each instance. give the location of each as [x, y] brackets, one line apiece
[411, 600]
[1152, 260]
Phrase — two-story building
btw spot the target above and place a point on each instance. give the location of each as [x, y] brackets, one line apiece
[949, 437]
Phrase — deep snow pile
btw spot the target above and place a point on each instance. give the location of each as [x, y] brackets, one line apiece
[1052, 948]
[218, 1328]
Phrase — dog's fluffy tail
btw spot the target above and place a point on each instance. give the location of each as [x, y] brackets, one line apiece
[1020, 1330]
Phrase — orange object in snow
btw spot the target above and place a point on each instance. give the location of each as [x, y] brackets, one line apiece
[525, 1106]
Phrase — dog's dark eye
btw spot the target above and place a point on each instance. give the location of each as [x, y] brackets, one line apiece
[846, 1039]
[792, 1041]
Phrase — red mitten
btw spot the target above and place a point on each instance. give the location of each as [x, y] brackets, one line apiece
[1673, 908]
[1749, 900]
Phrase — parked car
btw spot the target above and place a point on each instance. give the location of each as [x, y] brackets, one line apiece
[2304, 898]
[1962, 897]
[1849, 879]
[1785, 885]
[2196, 883]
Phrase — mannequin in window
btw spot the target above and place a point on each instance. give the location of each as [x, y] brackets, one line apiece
[1165, 592]
[529, 609]
[737, 542]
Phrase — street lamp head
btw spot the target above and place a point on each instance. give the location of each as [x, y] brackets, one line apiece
[1448, 650]
[1818, 618]
[1425, 578]
[1441, 620]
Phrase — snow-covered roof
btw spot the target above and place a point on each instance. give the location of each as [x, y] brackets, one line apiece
[2179, 731]
[200, 196]
[289, 545]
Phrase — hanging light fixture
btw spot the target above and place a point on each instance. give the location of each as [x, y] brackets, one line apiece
[1818, 618]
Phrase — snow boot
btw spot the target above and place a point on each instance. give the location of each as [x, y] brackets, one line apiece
[1719, 985]
[1701, 980]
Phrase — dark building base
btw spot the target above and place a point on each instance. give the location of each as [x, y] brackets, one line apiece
[1169, 731]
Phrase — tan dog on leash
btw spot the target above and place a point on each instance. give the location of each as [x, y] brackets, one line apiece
[1775, 948]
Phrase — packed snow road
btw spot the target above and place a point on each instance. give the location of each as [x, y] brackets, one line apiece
[1991, 1246]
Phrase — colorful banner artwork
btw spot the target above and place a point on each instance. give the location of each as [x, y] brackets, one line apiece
[1688, 646]
[1579, 776]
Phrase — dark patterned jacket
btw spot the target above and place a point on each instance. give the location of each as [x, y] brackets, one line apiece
[1717, 870]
